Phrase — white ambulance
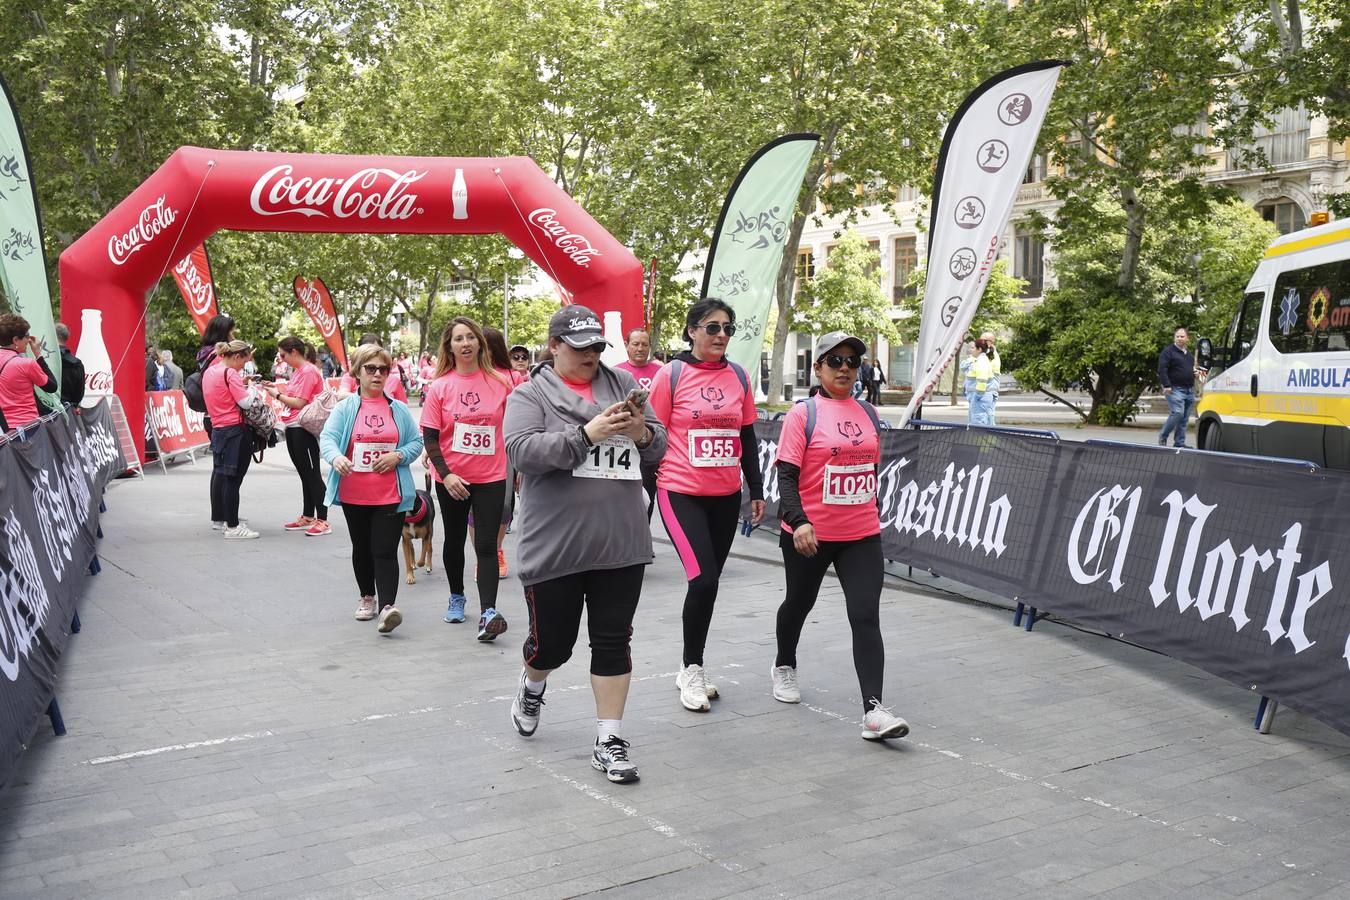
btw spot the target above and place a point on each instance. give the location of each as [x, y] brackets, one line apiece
[1280, 384]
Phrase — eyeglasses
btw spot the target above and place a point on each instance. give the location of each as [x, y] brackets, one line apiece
[520, 357]
[715, 328]
[371, 369]
[835, 361]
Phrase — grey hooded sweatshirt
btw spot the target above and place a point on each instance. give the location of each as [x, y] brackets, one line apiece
[568, 524]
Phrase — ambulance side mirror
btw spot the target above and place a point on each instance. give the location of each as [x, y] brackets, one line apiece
[1204, 356]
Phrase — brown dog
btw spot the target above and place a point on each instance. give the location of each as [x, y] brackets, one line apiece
[419, 525]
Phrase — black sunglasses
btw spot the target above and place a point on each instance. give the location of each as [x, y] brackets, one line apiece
[520, 356]
[835, 361]
[715, 328]
[372, 369]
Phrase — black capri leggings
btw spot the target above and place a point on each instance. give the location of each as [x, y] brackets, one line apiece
[231, 453]
[859, 567]
[610, 597]
[304, 450]
[375, 532]
[702, 529]
[486, 501]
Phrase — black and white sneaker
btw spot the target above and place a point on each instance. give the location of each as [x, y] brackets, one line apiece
[611, 757]
[525, 709]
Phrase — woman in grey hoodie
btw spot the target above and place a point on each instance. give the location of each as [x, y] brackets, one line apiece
[578, 433]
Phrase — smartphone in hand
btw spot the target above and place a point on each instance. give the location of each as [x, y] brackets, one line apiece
[637, 399]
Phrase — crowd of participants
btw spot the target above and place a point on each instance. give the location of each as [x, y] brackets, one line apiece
[589, 450]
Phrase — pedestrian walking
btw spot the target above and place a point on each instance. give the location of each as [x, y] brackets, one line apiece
[878, 382]
[72, 369]
[305, 384]
[226, 394]
[370, 441]
[462, 429]
[991, 350]
[1177, 374]
[708, 408]
[981, 373]
[218, 329]
[829, 455]
[171, 373]
[578, 440]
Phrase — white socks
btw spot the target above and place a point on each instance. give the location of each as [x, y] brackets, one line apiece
[534, 687]
[607, 728]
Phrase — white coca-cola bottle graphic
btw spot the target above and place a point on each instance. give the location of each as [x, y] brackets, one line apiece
[98, 374]
[615, 352]
[459, 194]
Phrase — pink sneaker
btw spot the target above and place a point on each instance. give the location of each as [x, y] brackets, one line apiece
[319, 527]
[365, 611]
[299, 524]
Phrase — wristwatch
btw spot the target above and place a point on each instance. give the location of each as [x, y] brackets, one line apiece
[647, 440]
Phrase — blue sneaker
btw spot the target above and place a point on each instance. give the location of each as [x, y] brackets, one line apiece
[490, 624]
[455, 614]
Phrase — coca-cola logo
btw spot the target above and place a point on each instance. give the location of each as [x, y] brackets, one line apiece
[370, 193]
[98, 382]
[200, 295]
[310, 298]
[154, 219]
[576, 247]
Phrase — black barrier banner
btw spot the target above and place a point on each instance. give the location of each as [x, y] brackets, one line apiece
[51, 483]
[1238, 566]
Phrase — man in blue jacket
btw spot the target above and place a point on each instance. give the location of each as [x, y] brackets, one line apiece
[1176, 374]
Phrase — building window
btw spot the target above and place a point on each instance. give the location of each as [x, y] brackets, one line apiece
[874, 252]
[1029, 261]
[900, 369]
[906, 194]
[806, 265]
[906, 259]
[1035, 173]
[1285, 213]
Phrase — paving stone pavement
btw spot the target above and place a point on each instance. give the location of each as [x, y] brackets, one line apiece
[233, 731]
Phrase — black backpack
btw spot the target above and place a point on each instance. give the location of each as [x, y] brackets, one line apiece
[192, 386]
[72, 378]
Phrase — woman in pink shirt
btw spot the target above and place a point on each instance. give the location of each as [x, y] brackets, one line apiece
[20, 373]
[393, 386]
[828, 457]
[462, 415]
[708, 409]
[370, 442]
[305, 384]
[226, 393]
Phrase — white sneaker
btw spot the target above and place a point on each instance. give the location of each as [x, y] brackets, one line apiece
[217, 526]
[708, 687]
[692, 682]
[365, 610]
[785, 684]
[390, 618]
[240, 532]
[881, 724]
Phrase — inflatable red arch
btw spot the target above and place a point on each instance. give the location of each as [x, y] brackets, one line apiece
[197, 192]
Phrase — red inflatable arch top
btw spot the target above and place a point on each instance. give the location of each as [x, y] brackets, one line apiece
[198, 192]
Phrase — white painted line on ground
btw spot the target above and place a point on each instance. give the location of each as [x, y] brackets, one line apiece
[172, 748]
[595, 793]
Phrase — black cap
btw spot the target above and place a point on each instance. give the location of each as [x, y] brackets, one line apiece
[578, 325]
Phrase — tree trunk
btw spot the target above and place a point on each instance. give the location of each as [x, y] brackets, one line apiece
[787, 269]
[1134, 235]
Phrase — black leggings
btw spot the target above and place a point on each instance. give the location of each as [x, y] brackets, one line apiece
[610, 597]
[702, 529]
[304, 450]
[232, 451]
[859, 567]
[486, 502]
[375, 532]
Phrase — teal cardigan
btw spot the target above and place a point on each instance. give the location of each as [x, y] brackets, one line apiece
[337, 434]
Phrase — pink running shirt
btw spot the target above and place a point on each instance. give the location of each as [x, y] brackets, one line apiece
[305, 384]
[584, 389]
[373, 434]
[704, 422]
[21, 374]
[645, 375]
[223, 388]
[468, 410]
[845, 447]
